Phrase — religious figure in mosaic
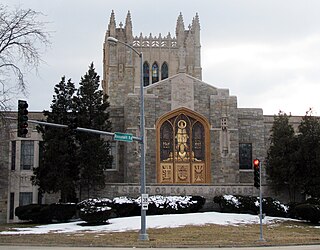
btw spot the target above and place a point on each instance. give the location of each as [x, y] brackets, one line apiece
[182, 138]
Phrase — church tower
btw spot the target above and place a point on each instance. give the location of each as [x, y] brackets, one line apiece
[164, 56]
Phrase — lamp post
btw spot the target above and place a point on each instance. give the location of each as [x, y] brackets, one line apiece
[143, 234]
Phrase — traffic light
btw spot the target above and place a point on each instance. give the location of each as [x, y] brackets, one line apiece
[22, 118]
[256, 173]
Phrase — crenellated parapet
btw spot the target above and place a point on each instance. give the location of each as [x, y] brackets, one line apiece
[155, 42]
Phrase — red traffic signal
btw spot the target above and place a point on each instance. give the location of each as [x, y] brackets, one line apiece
[256, 173]
[256, 163]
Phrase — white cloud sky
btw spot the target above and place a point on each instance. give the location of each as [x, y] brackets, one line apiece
[266, 52]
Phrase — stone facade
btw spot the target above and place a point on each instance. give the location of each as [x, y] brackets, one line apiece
[183, 88]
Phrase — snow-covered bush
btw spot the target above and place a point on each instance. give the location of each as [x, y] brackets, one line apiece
[124, 206]
[95, 211]
[274, 207]
[250, 205]
[159, 204]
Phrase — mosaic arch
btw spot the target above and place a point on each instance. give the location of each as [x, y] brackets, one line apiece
[183, 148]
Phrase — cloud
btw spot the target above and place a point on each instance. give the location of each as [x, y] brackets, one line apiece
[284, 74]
[266, 52]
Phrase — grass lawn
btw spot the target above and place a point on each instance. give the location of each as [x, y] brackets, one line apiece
[281, 233]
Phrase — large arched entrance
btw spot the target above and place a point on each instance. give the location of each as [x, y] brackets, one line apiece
[183, 148]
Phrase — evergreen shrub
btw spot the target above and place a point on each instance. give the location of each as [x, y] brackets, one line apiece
[95, 211]
[250, 205]
[159, 204]
[37, 213]
[124, 207]
[43, 213]
[62, 212]
[308, 212]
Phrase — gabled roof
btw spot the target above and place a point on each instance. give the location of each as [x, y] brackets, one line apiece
[182, 76]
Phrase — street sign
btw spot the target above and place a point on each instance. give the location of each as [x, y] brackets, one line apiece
[144, 201]
[122, 137]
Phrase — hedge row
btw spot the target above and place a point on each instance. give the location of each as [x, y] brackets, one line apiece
[123, 206]
[100, 210]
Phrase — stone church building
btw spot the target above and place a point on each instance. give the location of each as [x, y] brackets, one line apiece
[196, 136]
[198, 141]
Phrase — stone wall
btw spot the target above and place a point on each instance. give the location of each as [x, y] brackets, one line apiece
[252, 130]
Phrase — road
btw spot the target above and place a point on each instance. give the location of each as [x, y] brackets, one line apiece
[314, 247]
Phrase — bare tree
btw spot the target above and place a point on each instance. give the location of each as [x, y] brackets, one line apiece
[22, 38]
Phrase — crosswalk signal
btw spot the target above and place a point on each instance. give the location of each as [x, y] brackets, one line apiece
[22, 118]
[256, 173]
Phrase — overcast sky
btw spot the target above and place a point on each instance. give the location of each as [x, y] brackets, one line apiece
[266, 52]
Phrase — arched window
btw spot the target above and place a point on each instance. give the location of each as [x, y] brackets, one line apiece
[155, 73]
[183, 148]
[164, 71]
[146, 74]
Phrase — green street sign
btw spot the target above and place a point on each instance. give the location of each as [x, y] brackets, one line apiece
[122, 137]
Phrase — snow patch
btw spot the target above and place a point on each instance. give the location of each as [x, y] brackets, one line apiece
[156, 221]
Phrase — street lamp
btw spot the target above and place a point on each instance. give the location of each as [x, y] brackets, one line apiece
[143, 234]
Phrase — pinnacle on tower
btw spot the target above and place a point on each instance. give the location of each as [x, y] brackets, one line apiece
[112, 25]
[128, 28]
[180, 30]
[196, 29]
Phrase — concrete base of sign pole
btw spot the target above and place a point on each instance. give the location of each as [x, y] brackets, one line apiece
[143, 236]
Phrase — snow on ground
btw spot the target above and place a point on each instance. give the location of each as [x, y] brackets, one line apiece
[155, 221]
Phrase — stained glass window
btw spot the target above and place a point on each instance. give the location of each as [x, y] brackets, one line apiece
[164, 71]
[166, 146]
[155, 73]
[198, 141]
[146, 74]
[183, 156]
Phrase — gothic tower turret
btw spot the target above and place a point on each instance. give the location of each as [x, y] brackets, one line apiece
[164, 56]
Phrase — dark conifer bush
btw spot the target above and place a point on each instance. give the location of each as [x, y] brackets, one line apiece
[308, 212]
[124, 206]
[250, 205]
[62, 212]
[34, 212]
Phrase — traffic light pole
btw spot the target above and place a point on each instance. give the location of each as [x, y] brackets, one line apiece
[260, 202]
[134, 138]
